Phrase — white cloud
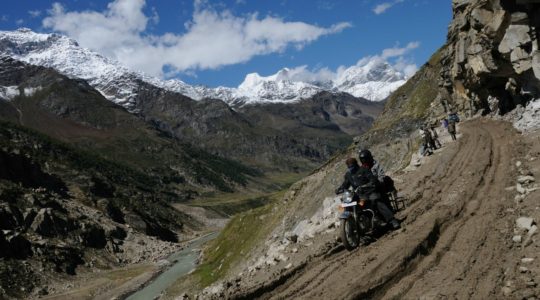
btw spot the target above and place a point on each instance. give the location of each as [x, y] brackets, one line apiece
[4, 18]
[212, 38]
[34, 13]
[406, 67]
[381, 8]
[19, 22]
[302, 73]
[396, 51]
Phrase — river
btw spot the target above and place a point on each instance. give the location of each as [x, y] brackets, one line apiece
[183, 262]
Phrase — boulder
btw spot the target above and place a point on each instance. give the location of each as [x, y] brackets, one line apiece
[527, 260]
[536, 64]
[520, 189]
[525, 179]
[495, 26]
[460, 49]
[477, 64]
[475, 49]
[519, 18]
[524, 223]
[480, 17]
[514, 37]
[521, 60]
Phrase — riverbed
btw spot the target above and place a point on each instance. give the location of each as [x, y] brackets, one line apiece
[182, 263]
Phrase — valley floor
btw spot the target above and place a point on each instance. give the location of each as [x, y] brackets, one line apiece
[461, 238]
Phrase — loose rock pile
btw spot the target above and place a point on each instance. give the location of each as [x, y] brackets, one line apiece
[523, 282]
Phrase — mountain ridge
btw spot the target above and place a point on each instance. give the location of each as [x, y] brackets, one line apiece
[374, 80]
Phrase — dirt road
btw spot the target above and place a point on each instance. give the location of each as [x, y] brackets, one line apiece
[456, 241]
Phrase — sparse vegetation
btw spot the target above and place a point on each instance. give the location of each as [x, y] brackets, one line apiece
[243, 233]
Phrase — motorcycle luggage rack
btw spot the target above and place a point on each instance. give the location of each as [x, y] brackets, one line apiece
[398, 203]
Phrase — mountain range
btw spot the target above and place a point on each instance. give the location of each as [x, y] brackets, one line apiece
[373, 80]
[300, 124]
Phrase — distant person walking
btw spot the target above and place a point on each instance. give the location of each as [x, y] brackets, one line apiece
[426, 148]
[435, 137]
[444, 123]
[452, 128]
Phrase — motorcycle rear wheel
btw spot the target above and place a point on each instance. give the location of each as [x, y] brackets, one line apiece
[350, 236]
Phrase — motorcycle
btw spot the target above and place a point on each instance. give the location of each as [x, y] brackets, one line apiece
[357, 219]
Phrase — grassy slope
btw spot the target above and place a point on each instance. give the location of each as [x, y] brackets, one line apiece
[244, 232]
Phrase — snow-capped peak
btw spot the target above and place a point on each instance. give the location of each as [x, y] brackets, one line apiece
[372, 80]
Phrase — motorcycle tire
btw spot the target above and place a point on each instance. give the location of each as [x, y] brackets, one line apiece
[350, 236]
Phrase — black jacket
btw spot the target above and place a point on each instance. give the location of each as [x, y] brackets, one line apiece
[363, 178]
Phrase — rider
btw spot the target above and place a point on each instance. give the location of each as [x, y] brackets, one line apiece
[367, 160]
[360, 177]
[386, 184]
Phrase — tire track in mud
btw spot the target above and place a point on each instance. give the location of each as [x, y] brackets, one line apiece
[451, 234]
[476, 237]
[473, 238]
[447, 250]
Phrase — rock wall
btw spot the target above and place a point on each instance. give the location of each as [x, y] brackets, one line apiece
[492, 59]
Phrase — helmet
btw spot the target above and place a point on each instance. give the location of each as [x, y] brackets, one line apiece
[365, 156]
[351, 161]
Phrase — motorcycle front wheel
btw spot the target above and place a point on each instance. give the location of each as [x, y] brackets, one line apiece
[349, 233]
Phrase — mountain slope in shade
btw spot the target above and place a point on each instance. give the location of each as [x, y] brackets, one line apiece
[373, 81]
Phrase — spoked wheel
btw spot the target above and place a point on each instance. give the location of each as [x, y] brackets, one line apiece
[350, 235]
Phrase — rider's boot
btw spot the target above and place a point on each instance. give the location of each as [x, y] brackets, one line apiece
[395, 224]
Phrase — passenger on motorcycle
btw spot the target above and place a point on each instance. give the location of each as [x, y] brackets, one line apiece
[362, 177]
[386, 184]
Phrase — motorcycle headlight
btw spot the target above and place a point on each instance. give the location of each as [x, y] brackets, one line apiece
[347, 197]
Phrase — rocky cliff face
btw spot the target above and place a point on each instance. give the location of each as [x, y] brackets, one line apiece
[492, 59]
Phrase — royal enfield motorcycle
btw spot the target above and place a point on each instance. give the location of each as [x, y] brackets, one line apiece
[357, 219]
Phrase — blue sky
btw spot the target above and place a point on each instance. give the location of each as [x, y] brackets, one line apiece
[219, 42]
